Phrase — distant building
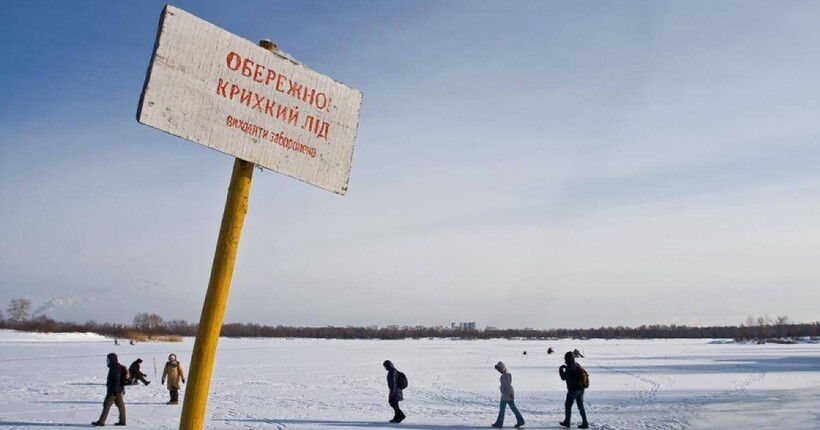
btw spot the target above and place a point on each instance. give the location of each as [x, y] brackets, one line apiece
[464, 326]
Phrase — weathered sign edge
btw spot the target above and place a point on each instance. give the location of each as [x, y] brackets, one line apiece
[151, 63]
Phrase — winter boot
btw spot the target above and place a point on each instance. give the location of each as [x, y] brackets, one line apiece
[583, 426]
[97, 423]
[564, 424]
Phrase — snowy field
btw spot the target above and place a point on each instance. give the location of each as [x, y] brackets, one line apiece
[58, 381]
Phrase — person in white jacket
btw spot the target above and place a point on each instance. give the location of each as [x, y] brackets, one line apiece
[507, 397]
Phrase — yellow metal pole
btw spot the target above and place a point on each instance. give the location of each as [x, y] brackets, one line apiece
[210, 323]
[213, 310]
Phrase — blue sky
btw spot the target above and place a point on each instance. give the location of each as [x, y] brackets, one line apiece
[538, 164]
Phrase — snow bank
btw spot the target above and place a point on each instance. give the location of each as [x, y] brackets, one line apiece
[23, 336]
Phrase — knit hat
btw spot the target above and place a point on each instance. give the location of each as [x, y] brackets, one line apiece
[500, 366]
[569, 357]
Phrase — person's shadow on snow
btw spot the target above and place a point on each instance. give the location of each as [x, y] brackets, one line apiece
[93, 402]
[38, 425]
[369, 424]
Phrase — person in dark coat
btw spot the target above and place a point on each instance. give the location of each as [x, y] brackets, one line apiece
[136, 374]
[396, 394]
[571, 372]
[115, 388]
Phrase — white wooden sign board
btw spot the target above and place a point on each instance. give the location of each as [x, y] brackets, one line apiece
[214, 88]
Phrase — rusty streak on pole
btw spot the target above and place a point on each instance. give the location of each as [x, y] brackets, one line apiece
[213, 310]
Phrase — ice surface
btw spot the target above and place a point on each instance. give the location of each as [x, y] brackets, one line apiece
[59, 382]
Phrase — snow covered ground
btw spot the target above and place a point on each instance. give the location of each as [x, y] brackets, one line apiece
[58, 381]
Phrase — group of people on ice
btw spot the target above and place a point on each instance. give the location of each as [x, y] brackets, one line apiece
[571, 372]
[118, 377]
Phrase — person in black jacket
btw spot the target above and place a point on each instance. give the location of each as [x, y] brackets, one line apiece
[115, 388]
[396, 394]
[136, 374]
[571, 372]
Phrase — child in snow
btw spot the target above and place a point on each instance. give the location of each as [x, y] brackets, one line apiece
[507, 397]
[173, 370]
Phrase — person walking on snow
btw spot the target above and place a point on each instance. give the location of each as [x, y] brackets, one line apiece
[115, 388]
[136, 374]
[173, 371]
[507, 397]
[571, 372]
[396, 394]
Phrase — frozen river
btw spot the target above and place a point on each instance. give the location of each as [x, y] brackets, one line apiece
[58, 381]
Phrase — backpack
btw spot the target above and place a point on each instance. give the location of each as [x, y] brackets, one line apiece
[583, 378]
[125, 377]
[401, 380]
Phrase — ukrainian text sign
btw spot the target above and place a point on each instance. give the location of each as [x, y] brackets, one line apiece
[214, 88]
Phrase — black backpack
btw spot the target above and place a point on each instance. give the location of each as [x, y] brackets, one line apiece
[401, 380]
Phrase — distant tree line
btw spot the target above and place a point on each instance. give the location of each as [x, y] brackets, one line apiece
[151, 324]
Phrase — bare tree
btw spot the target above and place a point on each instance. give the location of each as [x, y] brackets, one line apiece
[763, 329]
[782, 323]
[18, 309]
[180, 327]
[155, 322]
[148, 322]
